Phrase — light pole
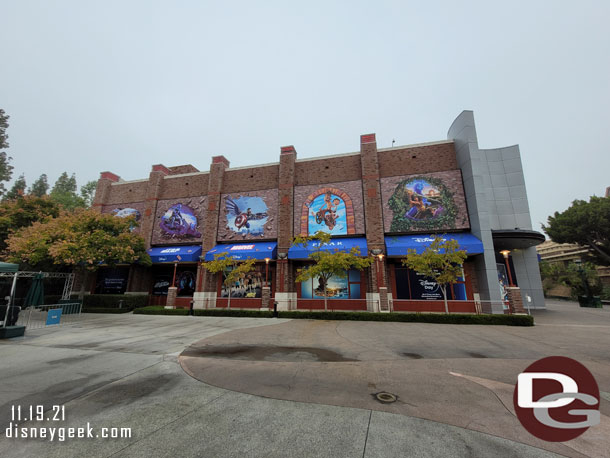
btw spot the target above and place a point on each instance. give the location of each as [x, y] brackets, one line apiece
[380, 283]
[505, 253]
[267, 271]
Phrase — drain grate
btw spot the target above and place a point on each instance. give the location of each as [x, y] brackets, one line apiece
[385, 397]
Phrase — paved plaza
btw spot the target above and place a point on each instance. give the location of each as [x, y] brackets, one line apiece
[220, 387]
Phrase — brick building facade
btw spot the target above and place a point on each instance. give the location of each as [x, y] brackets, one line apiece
[381, 200]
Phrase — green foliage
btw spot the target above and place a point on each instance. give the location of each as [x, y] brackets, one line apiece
[508, 320]
[82, 240]
[23, 212]
[399, 204]
[64, 192]
[328, 264]
[233, 269]
[584, 223]
[105, 310]
[572, 275]
[40, 186]
[441, 261]
[6, 169]
[87, 192]
[18, 189]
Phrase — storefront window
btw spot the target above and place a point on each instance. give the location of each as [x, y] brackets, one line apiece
[251, 286]
[112, 280]
[413, 285]
[186, 280]
[337, 287]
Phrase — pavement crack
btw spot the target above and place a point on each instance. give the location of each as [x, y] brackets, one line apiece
[368, 426]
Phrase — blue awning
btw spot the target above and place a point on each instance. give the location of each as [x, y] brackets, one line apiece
[399, 244]
[242, 251]
[175, 254]
[302, 252]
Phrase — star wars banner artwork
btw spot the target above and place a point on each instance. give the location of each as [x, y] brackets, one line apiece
[427, 202]
[179, 221]
[336, 209]
[248, 217]
[134, 210]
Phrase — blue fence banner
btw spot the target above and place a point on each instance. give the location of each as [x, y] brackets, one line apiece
[53, 317]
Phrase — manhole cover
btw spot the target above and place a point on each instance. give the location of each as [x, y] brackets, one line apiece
[386, 398]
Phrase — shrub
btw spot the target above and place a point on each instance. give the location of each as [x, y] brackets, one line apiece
[130, 301]
[105, 310]
[508, 320]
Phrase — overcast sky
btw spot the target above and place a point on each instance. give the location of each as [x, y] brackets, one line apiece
[121, 85]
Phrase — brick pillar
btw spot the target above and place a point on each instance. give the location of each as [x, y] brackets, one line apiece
[102, 191]
[266, 298]
[371, 190]
[207, 297]
[172, 292]
[285, 293]
[515, 301]
[153, 192]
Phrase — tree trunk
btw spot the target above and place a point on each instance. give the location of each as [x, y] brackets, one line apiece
[444, 290]
[83, 284]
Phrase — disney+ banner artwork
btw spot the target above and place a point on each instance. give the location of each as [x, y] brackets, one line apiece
[336, 209]
[247, 217]
[427, 202]
[179, 220]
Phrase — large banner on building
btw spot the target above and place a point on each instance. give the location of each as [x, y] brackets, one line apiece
[424, 203]
[179, 221]
[248, 216]
[335, 208]
[135, 209]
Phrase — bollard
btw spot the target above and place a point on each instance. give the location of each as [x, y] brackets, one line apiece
[191, 313]
[121, 304]
[274, 309]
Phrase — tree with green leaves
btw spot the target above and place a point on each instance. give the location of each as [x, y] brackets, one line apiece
[6, 169]
[87, 192]
[584, 223]
[64, 192]
[82, 240]
[40, 187]
[233, 269]
[582, 279]
[328, 263]
[18, 189]
[441, 261]
[15, 214]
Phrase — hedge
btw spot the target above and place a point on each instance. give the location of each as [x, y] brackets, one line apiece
[105, 310]
[130, 301]
[509, 320]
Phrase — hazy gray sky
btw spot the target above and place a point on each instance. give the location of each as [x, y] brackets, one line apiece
[121, 85]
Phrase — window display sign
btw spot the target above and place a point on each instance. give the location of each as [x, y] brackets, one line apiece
[424, 288]
[251, 286]
[337, 287]
[112, 281]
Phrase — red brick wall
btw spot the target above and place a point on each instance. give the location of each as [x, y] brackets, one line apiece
[327, 170]
[417, 159]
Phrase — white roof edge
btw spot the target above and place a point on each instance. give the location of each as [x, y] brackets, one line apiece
[127, 181]
[188, 174]
[268, 164]
[415, 145]
[317, 158]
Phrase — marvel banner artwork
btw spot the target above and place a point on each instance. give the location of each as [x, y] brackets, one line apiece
[246, 215]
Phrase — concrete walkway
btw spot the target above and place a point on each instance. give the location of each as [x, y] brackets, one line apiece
[123, 371]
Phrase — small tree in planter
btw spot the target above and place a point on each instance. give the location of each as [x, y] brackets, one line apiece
[441, 261]
[328, 264]
[235, 269]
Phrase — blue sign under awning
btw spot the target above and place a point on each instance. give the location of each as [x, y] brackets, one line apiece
[346, 244]
[398, 245]
[242, 251]
[175, 254]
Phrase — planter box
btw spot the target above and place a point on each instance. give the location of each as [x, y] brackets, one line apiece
[590, 301]
[11, 331]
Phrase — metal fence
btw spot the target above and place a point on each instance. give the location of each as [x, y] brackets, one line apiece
[50, 315]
